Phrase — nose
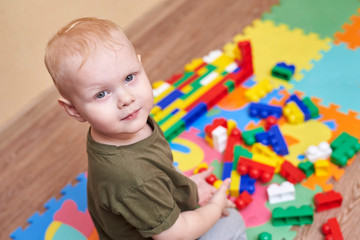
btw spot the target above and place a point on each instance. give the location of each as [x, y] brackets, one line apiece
[125, 99]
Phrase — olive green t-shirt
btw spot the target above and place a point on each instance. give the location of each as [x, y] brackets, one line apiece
[134, 191]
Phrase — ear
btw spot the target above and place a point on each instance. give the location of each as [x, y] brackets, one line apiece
[139, 57]
[70, 109]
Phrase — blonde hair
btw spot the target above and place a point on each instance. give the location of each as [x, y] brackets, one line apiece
[76, 41]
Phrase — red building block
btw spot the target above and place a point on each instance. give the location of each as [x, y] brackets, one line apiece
[234, 139]
[270, 121]
[216, 122]
[327, 200]
[291, 173]
[332, 230]
[243, 200]
[255, 170]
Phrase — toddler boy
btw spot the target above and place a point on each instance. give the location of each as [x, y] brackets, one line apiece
[134, 192]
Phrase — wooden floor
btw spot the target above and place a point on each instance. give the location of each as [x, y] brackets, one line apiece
[44, 150]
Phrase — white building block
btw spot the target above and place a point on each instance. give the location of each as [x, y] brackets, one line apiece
[322, 151]
[281, 193]
[219, 137]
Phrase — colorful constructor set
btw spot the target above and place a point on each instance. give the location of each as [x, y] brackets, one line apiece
[262, 112]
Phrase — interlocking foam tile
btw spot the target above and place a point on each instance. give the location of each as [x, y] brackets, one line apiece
[335, 78]
[324, 17]
[351, 34]
[272, 44]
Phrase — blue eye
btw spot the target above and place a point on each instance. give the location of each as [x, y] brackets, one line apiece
[102, 94]
[129, 77]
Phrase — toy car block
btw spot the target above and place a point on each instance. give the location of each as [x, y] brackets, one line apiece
[327, 200]
[235, 183]
[264, 236]
[301, 105]
[322, 151]
[332, 230]
[307, 168]
[243, 200]
[322, 168]
[255, 170]
[233, 139]
[292, 216]
[260, 90]
[274, 138]
[283, 71]
[313, 109]
[215, 123]
[281, 193]
[263, 154]
[247, 184]
[270, 121]
[249, 136]
[291, 173]
[293, 113]
[227, 168]
[240, 151]
[194, 114]
[262, 110]
[219, 138]
[344, 147]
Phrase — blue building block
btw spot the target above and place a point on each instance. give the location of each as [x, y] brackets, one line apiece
[262, 110]
[247, 184]
[227, 168]
[274, 138]
[170, 99]
[301, 105]
[289, 67]
[195, 114]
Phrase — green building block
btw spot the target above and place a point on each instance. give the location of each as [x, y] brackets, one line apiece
[264, 236]
[230, 84]
[249, 136]
[282, 73]
[292, 216]
[174, 130]
[314, 110]
[239, 151]
[307, 167]
[344, 147]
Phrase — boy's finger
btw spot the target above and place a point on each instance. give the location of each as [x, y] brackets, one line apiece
[224, 187]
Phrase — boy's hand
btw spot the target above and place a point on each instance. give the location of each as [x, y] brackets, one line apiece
[205, 190]
[221, 200]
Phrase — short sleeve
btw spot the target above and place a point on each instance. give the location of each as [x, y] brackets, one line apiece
[150, 207]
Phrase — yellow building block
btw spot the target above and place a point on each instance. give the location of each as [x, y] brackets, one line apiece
[222, 62]
[235, 183]
[201, 165]
[172, 120]
[164, 94]
[195, 63]
[260, 90]
[265, 155]
[155, 110]
[322, 168]
[293, 113]
[218, 183]
[231, 124]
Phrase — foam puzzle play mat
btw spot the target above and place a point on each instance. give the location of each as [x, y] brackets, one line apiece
[276, 110]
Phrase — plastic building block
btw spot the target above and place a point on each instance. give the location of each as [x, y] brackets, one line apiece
[263, 154]
[269, 122]
[215, 123]
[291, 173]
[231, 125]
[307, 168]
[274, 138]
[243, 200]
[240, 151]
[233, 139]
[292, 216]
[322, 151]
[255, 170]
[249, 136]
[247, 184]
[262, 110]
[344, 147]
[327, 200]
[244, 56]
[170, 99]
[227, 168]
[194, 65]
[159, 87]
[264, 236]
[200, 168]
[211, 179]
[293, 113]
[281, 193]
[219, 138]
[260, 90]
[283, 71]
[301, 105]
[322, 168]
[194, 114]
[313, 109]
[235, 184]
[332, 230]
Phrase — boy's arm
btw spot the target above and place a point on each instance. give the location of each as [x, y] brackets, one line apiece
[193, 224]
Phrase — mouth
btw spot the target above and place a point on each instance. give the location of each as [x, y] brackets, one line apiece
[131, 115]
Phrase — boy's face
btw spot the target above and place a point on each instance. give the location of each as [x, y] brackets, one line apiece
[112, 92]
